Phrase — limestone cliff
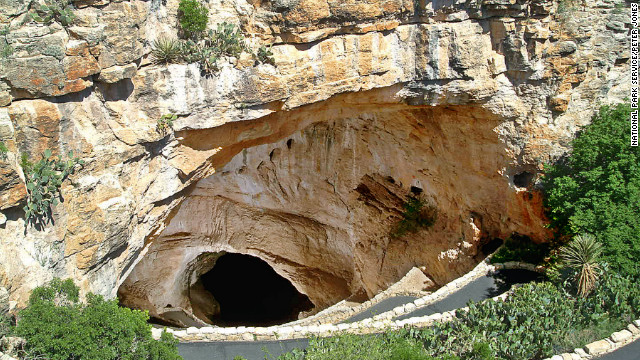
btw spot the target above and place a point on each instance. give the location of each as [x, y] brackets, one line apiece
[304, 164]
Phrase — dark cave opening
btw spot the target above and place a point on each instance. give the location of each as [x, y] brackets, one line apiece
[523, 179]
[251, 293]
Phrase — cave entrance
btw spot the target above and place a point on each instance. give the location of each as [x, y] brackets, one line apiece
[250, 293]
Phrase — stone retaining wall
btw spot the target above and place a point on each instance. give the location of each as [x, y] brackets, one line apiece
[342, 310]
[604, 346]
[6, 357]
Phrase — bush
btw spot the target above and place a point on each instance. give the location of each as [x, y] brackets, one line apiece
[6, 50]
[5, 324]
[3, 151]
[597, 187]
[44, 179]
[226, 40]
[58, 326]
[417, 214]
[265, 55]
[193, 17]
[387, 346]
[525, 326]
[521, 248]
[165, 123]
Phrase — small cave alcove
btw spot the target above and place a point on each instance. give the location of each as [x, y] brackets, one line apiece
[523, 179]
[250, 293]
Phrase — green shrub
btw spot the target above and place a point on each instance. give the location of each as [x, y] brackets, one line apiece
[417, 214]
[524, 326]
[3, 151]
[166, 51]
[165, 123]
[193, 17]
[265, 55]
[206, 56]
[226, 40]
[386, 346]
[521, 248]
[597, 187]
[44, 179]
[56, 325]
[6, 50]
[5, 324]
[60, 11]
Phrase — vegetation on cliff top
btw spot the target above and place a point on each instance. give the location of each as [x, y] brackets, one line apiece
[201, 46]
[193, 17]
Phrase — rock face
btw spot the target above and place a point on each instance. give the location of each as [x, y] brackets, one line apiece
[305, 164]
[320, 204]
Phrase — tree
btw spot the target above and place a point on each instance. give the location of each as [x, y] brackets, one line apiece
[57, 325]
[596, 189]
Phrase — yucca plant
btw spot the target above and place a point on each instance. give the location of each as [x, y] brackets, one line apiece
[166, 51]
[582, 255]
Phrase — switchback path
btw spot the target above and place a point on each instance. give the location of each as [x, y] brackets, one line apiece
[480, 289]
[381, 307]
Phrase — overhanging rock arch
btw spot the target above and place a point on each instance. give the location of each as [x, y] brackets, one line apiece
[314, 192]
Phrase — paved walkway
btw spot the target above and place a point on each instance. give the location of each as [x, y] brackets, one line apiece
[227, 350]
[381, 307]
[628, 352]
[480, 289]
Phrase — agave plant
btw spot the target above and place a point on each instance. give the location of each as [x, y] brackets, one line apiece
[582, 255]
[166, 51]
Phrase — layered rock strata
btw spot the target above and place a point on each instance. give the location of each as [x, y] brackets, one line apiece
[304, 164]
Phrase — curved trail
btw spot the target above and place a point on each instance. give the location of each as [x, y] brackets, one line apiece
[381, 307]
[480, 289]
[227, 350]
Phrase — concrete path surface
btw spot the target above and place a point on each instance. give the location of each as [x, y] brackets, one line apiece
[628, 352]
[250, 350]
[381, 307]
[479, 289]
